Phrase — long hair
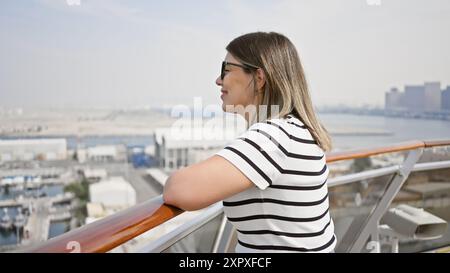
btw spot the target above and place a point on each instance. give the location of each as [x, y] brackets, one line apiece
[285, 85]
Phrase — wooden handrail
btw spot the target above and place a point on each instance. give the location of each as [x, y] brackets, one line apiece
[436, 143]
[361, 153]
[112, 231]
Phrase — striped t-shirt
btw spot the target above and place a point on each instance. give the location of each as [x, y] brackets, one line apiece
[288, 209]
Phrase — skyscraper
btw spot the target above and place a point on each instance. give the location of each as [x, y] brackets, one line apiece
[414, 99]
[419, 98]
[432, 96]
[394, 99]
[445, 99]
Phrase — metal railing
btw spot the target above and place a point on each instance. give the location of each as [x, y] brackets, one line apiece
[112, 231]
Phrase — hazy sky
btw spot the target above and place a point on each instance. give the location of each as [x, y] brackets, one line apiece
[135, 53]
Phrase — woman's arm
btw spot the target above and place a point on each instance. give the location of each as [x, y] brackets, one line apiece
[205, 183]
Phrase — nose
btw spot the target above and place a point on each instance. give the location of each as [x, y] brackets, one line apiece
[219, 81]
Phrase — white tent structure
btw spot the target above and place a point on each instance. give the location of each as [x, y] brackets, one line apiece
[114, 193]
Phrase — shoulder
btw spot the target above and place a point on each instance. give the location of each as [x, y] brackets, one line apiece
[283, 122]
[286, 128]
[288, 134]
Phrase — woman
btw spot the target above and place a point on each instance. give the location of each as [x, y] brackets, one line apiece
[273, 177]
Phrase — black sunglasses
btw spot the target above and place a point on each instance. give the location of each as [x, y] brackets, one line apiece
[243, 65]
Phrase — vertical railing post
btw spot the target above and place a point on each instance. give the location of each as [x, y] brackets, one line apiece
[377, 213]
[224, 241]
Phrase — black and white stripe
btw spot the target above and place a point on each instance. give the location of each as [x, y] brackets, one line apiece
[290, 248]
[295, 138]
[276, 165]
[287, 153]
[298, 188]
[274, 201]
[286, 234]
[277, 217]
[289, 209]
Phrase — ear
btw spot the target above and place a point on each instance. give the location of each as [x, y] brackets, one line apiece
[260, 78]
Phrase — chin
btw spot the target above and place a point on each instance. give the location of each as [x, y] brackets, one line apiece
[230, 107]
[224, 107]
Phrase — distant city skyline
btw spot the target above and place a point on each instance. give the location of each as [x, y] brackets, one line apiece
[97, 53]
[428, 97]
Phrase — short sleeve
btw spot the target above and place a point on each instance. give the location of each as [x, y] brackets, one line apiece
[256, 154]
